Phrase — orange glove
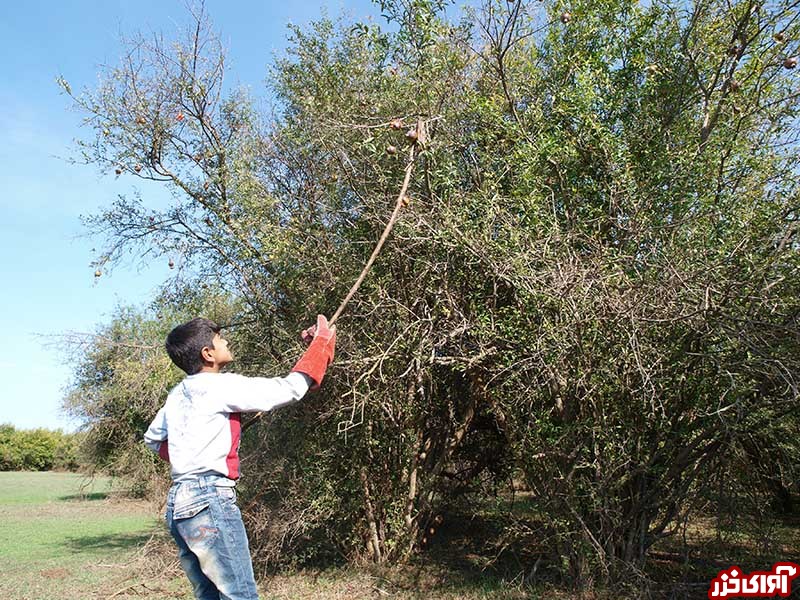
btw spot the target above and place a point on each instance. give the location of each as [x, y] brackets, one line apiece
[319, 355]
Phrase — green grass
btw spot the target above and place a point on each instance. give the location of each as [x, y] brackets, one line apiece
[67, 538]
[65, 535]
[37, 488]
[70, 539]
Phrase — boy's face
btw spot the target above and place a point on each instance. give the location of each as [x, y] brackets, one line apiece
[220, 355]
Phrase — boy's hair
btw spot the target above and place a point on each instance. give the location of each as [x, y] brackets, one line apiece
[186, 342]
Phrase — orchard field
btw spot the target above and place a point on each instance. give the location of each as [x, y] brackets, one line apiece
[572, 367]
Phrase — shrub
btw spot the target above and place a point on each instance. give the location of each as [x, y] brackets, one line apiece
[37, 449]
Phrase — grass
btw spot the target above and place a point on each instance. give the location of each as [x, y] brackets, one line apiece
[69, 538]
[66, 536]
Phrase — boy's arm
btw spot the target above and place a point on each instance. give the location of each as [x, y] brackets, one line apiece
[156, 435]
[260, 394]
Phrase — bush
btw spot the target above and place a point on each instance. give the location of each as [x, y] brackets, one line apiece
[37, 449]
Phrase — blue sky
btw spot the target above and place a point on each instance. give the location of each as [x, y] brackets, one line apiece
[48, 285]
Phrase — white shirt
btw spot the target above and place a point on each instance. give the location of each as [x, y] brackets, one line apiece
[199, 427]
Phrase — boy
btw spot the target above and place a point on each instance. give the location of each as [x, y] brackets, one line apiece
[197, 431]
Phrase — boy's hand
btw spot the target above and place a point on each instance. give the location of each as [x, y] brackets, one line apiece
[327, 333]
[320, 353]
[308, 334]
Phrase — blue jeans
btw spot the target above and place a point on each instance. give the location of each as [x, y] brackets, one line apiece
[212, 544]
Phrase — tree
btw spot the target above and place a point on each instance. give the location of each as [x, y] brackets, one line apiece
[593, 281]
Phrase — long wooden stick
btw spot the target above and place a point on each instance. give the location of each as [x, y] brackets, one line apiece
[384, 236]
[401, 201]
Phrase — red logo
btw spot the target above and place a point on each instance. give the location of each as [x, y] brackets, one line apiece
[732, 583]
